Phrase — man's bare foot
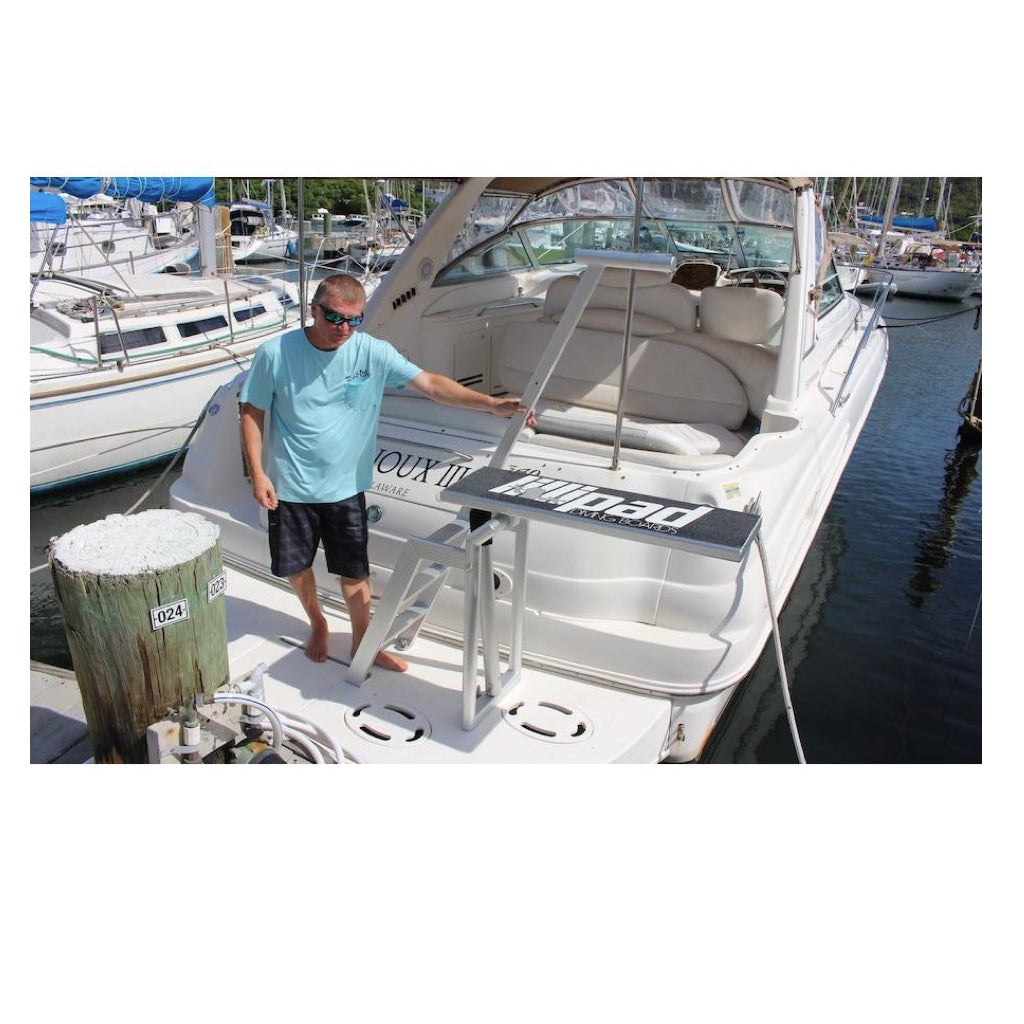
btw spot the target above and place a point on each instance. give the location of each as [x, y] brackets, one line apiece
[385, 659]
[316, 645]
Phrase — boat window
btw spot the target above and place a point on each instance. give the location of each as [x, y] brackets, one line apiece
[586, 199]
[249, 312]
[110, 341]
[490, 215]
[688, 216]
[194, 327]
[764, 247]
[763, 203]
[715, 242]
[685, 199]
[831, 289]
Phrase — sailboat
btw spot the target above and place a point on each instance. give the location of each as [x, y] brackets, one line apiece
[255, 235]
[916, 259]
[103, 227]
[120, 369]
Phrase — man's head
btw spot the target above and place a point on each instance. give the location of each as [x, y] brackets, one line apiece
[337, 309]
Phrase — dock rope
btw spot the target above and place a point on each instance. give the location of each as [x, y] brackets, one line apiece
[894, 323]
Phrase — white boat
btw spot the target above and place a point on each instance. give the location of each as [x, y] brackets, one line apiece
[119, 229]
[593, 588]
[256, 236]
[927, 269]
[120, 372]
[914, 259]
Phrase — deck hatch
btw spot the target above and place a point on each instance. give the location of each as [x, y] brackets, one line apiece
[548, 721]
[390, 724]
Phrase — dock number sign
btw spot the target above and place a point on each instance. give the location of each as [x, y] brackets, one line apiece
[216, 587]
[176, 611]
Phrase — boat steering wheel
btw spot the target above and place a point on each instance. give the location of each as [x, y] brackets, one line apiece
[756, 277]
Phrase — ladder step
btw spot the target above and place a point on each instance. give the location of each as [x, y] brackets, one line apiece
[432, 576]
[419, 574]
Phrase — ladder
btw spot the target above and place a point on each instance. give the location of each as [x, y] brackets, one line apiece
[420, 572]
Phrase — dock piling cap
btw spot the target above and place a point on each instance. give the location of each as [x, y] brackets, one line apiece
[134, 545]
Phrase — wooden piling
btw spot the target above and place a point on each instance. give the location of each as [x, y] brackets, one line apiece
[142, 601]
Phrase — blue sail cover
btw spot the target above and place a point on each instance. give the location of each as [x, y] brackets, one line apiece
[48, 207]
[149, 190]
[914, 223]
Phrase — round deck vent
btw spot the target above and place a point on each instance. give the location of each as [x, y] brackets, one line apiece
[549, 721]
[390, 724]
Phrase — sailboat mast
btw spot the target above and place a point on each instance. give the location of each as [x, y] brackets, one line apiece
[890, 209]
[939, 202]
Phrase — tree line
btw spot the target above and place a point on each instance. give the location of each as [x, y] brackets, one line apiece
[961, 197]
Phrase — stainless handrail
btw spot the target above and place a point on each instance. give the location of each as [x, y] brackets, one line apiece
[880, 296]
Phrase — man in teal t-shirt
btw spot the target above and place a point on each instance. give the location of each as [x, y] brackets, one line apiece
[322, 386]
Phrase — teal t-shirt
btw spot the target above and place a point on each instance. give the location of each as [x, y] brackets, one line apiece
[323, 411]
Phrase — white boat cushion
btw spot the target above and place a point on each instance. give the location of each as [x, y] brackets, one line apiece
[656, 302]
[754, 366]
[637, 432]
[750, 315]
[667, 381]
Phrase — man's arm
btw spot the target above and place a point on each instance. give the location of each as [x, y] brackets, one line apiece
[252, 447]
[450, 392]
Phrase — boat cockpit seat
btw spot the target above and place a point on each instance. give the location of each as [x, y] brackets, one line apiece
[658, 308]
[679, 399]
[749, 315]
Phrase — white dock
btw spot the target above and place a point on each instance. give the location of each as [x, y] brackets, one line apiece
[58, 730]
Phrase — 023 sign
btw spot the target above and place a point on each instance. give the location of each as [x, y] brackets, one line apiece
[166, 614]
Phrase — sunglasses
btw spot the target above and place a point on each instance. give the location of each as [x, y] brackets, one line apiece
[336, 318]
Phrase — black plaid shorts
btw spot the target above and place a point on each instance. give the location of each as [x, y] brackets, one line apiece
[296, 530]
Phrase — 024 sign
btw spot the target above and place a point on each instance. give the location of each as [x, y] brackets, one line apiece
[166, 614]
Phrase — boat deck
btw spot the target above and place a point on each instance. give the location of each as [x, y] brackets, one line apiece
[396, 718]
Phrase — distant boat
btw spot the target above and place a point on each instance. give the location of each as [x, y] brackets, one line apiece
[927, 269]
[256, 236]
[390, 225]
[914, 259]
[102, 227]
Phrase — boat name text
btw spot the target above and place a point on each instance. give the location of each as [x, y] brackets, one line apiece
[587, 501]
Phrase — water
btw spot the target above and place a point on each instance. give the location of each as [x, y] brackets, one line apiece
[882, 633]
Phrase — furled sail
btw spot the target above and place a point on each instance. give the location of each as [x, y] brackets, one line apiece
[48, 207]
[149, 190]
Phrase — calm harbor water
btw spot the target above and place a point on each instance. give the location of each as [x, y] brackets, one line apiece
[882, 635]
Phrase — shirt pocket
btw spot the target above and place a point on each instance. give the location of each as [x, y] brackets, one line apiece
[358, 393]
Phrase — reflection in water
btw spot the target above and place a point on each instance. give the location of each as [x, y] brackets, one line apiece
[934, 546]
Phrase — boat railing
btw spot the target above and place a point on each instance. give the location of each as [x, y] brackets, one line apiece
[183, 305]
[881, 294]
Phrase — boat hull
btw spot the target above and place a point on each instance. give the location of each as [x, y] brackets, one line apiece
[119, 375]
[929, 284]
[781, 391]
[102, 427]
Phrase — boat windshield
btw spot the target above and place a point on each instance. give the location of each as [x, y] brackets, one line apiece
[733, 223]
